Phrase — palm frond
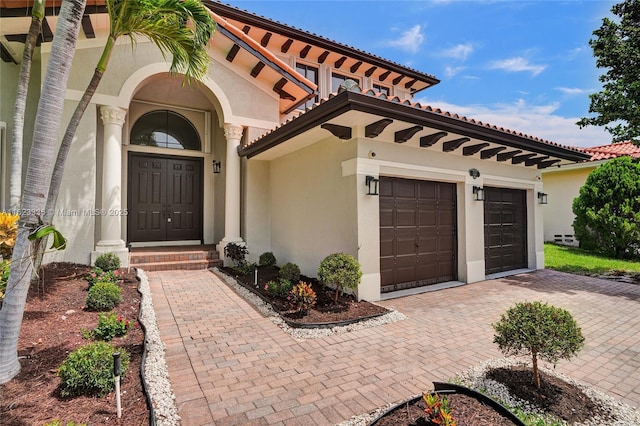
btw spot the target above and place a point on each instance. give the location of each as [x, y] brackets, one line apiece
[180, 28]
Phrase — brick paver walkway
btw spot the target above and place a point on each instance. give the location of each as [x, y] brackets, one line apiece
[230, 365]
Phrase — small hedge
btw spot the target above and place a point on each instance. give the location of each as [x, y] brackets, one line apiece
[89, 370]
[290, 272]
[103, 296]
[108, 262]
[267, 259]
[340, 270]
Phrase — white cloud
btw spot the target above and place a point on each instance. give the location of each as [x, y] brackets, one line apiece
[452, 71]
[459, 51]
[410, 40]
[517, 64]
[534, 120]
[573, 90]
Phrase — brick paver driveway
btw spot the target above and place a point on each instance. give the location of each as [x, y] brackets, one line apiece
[230, 365]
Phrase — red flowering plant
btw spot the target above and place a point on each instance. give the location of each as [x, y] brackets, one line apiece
[109, 326]
[303, 296]
[438, 411]
[97, 275]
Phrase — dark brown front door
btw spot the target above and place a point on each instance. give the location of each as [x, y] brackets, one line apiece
[417, 233]
[165, 198]
[505, 229]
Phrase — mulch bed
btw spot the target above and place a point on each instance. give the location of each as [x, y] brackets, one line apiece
[51, 329]
[557, 397]
[348, 307]
[467, 411]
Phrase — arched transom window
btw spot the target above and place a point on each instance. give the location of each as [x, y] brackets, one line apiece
[165, 129]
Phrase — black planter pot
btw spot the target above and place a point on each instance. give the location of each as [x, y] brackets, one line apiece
[450, 389]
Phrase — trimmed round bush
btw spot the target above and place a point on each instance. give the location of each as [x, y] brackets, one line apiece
[89, 370]
[108, 262]
[340, 270]
[538, 329]
[290, 272]
[267, 259]
[103, 296]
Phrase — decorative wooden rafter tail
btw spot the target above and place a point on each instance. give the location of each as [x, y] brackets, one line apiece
[233, 52]
[522, 158]
[507, 155]
[402, 136]
[374, 129]
[341, 132]
[488, 153]
[474, 149]
[450, 146]
[430, 140]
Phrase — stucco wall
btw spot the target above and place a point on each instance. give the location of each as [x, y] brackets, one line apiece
[313, 206]
[8, 85]
[563, 185]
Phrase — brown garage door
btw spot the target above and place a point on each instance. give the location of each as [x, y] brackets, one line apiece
[417, 233]
[505, 230]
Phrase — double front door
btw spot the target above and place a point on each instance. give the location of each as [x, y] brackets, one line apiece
[164, 198]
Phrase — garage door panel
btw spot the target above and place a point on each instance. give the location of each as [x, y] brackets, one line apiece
[505, 229]
[422, 233]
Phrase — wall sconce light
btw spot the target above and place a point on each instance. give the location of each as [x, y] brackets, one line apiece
[372, 185]
[543, 198]
[474, 173]
[216, 166]
[478, 193]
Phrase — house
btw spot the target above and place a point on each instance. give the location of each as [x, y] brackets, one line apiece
[562, 184]
[294, 144]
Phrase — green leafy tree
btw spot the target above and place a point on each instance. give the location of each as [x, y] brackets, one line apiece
[608, 210]
[340, 270]
[616, 47]
[538, 330]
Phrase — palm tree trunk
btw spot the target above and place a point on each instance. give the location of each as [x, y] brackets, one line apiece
[65, 146]
[15, 162]
[36, 183]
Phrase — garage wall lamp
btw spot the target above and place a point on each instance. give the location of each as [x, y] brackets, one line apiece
[478, 193]
[543, 198]
[217, 166]
[372, 185]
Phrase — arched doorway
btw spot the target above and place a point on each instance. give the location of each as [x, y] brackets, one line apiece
[165, 192]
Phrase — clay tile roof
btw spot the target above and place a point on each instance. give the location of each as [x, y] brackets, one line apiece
[428, 108]
[613, 150]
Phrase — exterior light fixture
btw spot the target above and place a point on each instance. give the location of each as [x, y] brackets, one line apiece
[216, 166]
[474, 173]
[372, 185]
[478, 193]
[543, 198]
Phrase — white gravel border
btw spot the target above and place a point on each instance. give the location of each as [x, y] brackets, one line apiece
[156, 374]
[303, 333]
[474, 378]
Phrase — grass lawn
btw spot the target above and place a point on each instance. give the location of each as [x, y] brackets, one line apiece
[577, 261]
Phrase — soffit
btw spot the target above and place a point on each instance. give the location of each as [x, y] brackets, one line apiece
[284, 39]
[351, 114]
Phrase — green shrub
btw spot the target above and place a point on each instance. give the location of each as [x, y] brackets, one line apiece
[5, 265]
[236, 252]
[244, 268]
[97, 275]
[607, 210]
[267, 259]
[290, 272]
[279, 287]
[538, 330]
[103, 296]
[303, 296]
[109, 326]
[108, 262]
[340, 270]
[89, 370]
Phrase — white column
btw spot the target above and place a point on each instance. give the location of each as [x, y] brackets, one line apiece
[110, 212]
[233, 134]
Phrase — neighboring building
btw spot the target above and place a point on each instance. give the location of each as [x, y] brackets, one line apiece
[563, 183]
[364, 171]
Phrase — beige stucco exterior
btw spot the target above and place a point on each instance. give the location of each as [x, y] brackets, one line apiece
[563, 185]
[305, 197]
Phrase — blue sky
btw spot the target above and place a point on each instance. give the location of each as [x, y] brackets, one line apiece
[524, 65]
